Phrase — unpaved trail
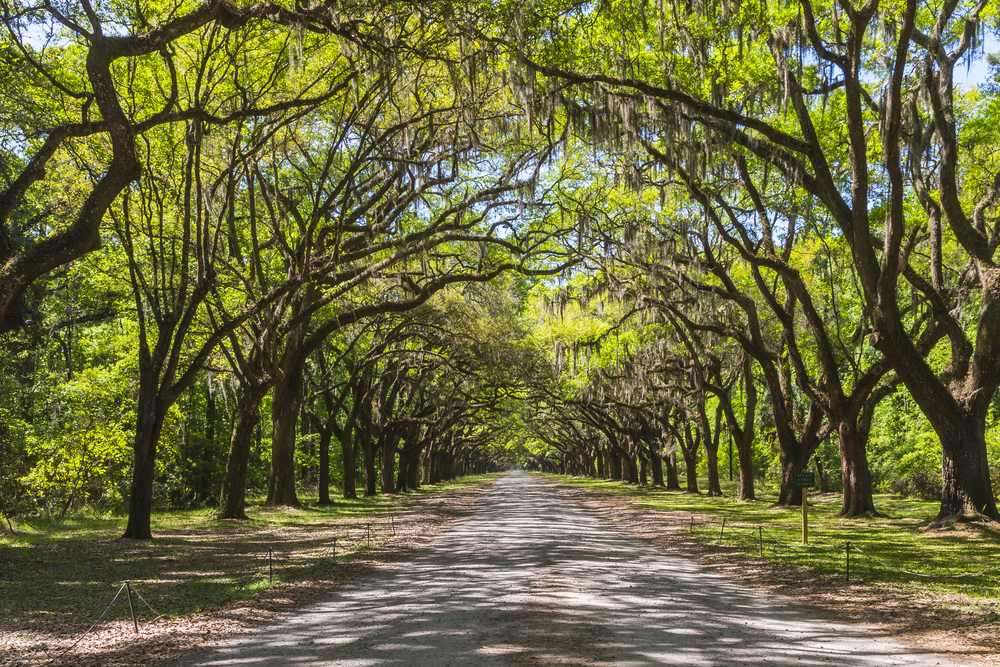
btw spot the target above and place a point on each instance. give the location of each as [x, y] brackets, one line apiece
[532, 580]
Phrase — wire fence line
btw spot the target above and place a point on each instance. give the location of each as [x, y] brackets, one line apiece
[267, 560]
[846, 546]
[93, 625]
[260, 562]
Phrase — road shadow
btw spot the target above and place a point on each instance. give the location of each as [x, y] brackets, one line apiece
[531, 579]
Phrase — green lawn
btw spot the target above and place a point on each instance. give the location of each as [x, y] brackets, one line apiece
[903, 538]
[35, 530]
[57, 576]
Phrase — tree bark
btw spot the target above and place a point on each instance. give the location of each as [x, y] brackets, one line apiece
[371, 488]
[711, 441]
[427, 455]
[673, 478]
[246, 418]
[858, 499]
[285, 404]
[350, 465]
[744, 449]
[208, 452]
[387, 447]
[149, 425]
[965, 475]
[325, 436]
[630, 471]
[616, 465]
[689, 448]
[413, 470]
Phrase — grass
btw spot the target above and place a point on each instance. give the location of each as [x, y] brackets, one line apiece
[42, 529]
[58, 575]
[906, 537]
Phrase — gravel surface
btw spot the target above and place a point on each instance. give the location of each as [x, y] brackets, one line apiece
[530, 579]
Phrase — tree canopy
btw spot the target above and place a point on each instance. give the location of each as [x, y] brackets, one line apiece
[274, 249]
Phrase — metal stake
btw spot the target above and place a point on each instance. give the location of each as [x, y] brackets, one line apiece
[760, 539]
[270, 566]
[847, 549]
[723, 531]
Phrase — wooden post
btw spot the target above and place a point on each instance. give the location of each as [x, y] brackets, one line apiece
[131, 609]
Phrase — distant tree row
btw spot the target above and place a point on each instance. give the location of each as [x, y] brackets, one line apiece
[206, 195]
[813, 227]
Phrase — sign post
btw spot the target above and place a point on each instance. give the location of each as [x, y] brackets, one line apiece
[805, 480]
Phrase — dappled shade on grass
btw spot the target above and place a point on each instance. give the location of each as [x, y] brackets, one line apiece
[56, 580]
[531, 579]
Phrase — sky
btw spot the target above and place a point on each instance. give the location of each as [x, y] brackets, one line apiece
[978, 70]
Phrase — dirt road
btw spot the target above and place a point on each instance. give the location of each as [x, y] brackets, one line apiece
[532, 580]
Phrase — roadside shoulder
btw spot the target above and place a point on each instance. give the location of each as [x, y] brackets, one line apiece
[944, 625]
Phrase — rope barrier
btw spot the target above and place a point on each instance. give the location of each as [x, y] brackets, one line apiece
[101, 618]
[256, 566]
[156, 613]
[847, 546]
[811, 550]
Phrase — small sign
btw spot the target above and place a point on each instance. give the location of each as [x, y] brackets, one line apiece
[805, 480]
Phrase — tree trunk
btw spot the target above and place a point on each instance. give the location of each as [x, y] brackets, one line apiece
[656, 465]
[792, 461]
[208, 452]
[435, 461]
[286, 401]
[149, 424]
[710, 438]
[413, 470]
[691, 469]
[965, 473]
[350, 465]
[426, 466]
[673, 479]
[794, 453]
[744, 450]
[858, 500]
[325, 435]
[246, 418]
[712, 463]
[689, 448]
[387, 447]
[371, 484]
